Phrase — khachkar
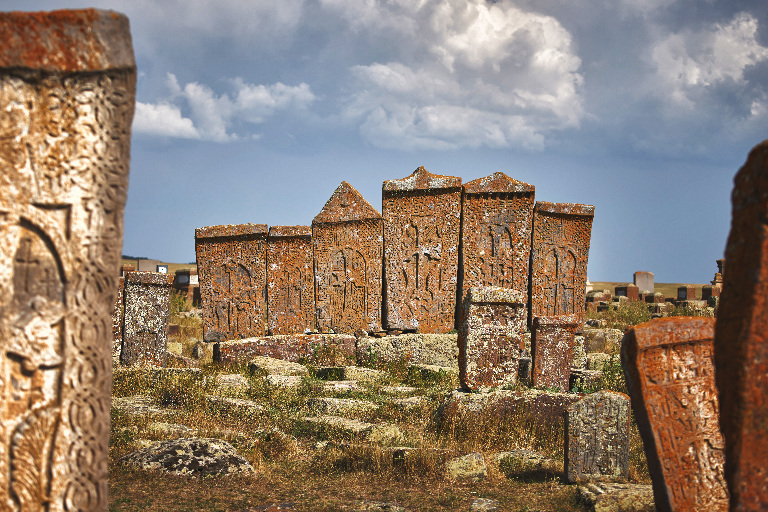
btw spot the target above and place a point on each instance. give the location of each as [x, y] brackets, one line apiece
[147, 310]
[497, 220]
[231, 263]
[670, 372]
[422, 217]
[741, 353]
[67, 89]
[290, 280]
[347, 244]
[559, 252]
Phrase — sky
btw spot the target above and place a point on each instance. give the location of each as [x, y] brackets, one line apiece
[254, 111]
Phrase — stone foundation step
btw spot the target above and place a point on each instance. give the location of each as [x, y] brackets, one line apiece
[139, 405]
[340, 406]
[236, 405]
[264, 365]
[384, 434]
[358, 373]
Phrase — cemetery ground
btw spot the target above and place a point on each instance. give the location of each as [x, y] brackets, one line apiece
[392, 447]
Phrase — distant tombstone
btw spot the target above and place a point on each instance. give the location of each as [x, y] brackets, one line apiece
[559, 253]
[687, 292]
[497, 216]
[422, 217]
[709, 291]
[145, 322]
[347, 247]
[67, 83]
[655, 298]
[117, 321]
[490, 337]
[644, 281]
[597, 438]
[124, 269]
[183, 283]
[147, 265]
[741, 351]
[163, 269]
[290, 280]
[668, 363]
[232, 265]
[630, 291]
[552, 339]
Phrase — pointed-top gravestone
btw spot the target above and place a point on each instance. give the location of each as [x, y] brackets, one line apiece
[496, 237]
[347, 247]
[67, 93]
[741, 351]
[422, 221]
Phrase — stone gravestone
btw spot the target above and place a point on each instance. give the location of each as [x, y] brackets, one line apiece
[552, 339]
[422, 220]
[644, 281]
[187, 285]
[491, 337]
[232, 266]
[630, 291]
[497, 217]
[117, 321]
[687, 292]
[290, 280]
[147, 298]
[347, 245]
[668, 364]
[741, 352]
[597, 438]
[67, 84]
[559, 253]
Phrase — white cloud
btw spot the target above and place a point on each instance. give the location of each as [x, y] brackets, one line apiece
[462, 73]
[689, 61]
[212, 116]
[163, 119]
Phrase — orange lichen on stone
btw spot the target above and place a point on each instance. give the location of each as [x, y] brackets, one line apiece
[65, 41]
[670, 371]
[741, 351]
[497, 219]
[290, 280]
[559, 254]
[552, 339]
[422, 222]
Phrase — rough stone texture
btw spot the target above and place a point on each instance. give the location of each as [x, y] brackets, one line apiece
[340, 406]
[552, 339]
[117, 321]
[422, 221]
[525, 461]
[602, 340]
[231, 261]
[597, 438]
[328, 349]
[145, 325]
[615, 497]
[347, 244]
[644, 281]
[139, 405]
[630, 291]
[467, 467]
[359, 373]
[490, 337]
[190, 457]
[435, 349]
[579, 359]
[271, 366]
[741, 352]
[559, 253]
[669, 367]
[290, 280]
[67, 88]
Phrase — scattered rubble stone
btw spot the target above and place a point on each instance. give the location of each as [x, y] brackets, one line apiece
[190, 457]
[467, 467]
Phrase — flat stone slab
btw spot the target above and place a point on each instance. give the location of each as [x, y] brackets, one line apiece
[430, 372]
[270, 366]
[190, 457]
[383, 435]
[340, 406]
[325, 349]
[434, 349]
[171, 429]
[358, 373]
[139, 405]
[284, 381]
[232, 380]
[616, 497]
[397, 390]
[341, 385]
[237, 404]
[522, 461]
[410, 403]
[543, 405]
[470, 467]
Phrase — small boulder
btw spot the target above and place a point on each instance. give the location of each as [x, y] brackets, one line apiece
[468, 467]
[191, 457]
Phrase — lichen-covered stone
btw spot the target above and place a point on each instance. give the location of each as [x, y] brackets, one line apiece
[145, 323]
[490, 337]
[552, 340]
[467, 467]
[290, 280]
[434, 349]
[617, 497]
[190, 457]
[422, 217]
[271, 366]
[311, 348]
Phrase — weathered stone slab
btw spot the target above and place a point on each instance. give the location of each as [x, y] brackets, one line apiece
[347, 243]
[644, 281]
[67, 92]
[630, 291]
[340, 406]
[559, 253]
[669, 368]
[271, 366]
[290, 280]
[359, 373]
[490, 337]
[497, 217]
[145, 325]
[422, 220]
[330, 349]
[232, 267]
[616, 497]
[741, 352]
[467, 467]
[190, 457]
[435, 349]
[552, 339]
[597, 438]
